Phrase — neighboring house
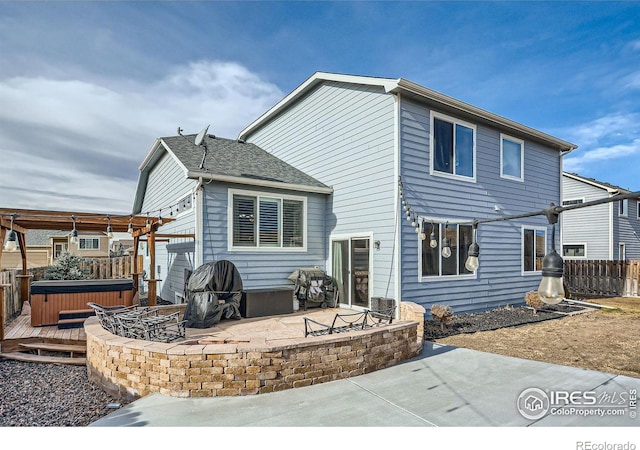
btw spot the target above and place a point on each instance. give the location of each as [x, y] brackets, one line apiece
[121, 247]
[45, 246]
[609, 231]
[348, 140]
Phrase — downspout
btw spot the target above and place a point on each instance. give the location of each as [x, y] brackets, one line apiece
[199, 223]
[397, 251]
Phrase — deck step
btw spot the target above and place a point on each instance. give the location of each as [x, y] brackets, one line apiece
[64, 324]
[67, 348]
[76, 314]
[27, 357]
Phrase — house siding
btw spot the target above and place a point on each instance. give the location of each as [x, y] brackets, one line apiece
[167, 183]
[499, 280]
[626, 230]
[591, 226]
[343, 135]
[261, 268]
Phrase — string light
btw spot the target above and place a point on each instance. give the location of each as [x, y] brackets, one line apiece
[74, 232]
[11, 244]
[472, 263]
[109, 229]
[446, 243]
[433, 240]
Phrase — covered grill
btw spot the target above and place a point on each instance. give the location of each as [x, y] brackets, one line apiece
[213, 292]
[313, 287]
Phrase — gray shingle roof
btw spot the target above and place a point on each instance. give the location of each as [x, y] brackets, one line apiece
[41, 237]
[593, 180]
[229, 157]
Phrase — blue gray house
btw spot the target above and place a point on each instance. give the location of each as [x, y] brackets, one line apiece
[608, 232]
[316, 181]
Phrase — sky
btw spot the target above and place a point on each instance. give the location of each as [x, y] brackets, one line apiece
[87, 87]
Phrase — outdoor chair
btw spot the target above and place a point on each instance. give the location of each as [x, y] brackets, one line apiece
[105, 315]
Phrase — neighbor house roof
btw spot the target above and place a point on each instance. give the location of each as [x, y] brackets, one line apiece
[42, 237]
[226, 160]
[402, 86]
[611, 188]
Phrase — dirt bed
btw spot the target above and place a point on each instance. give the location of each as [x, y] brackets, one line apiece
[606, 340]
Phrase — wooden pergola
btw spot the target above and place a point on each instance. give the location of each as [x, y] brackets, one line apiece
[22, 220]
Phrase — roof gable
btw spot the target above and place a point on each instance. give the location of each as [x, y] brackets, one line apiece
[611, 188]
[402, 86]
[226, 160]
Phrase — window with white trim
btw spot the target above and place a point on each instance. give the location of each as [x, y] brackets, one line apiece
[433, 263]
[534, 245]
[574, 250]
[267, 221]
[453, 147]
[570, 202]
[89, 244]
[638, 210]
[511, 158]
[623, 208]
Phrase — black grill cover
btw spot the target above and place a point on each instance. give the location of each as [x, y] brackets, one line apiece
[214, 291]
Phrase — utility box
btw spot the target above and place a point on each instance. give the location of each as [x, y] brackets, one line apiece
[266, 302]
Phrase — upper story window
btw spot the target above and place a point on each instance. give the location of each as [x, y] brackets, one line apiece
[89, 244]
[434, 263]
[623, 208]
[267, 221]
[534, 244]
[511, 158]
[453, 147]
[184, 204]
[638, 209]
[576, 201]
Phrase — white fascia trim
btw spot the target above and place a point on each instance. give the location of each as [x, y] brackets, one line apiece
[387, 83]
[451, 102]
[590, 182]
[261, 183]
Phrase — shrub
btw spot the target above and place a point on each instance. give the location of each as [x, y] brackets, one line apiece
[533, 300]
[66, 267]
[443, 314]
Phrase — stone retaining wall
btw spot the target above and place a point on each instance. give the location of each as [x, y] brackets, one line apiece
[135, 368]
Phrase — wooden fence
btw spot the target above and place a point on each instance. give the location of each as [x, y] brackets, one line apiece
[97, 268]
[602, 278]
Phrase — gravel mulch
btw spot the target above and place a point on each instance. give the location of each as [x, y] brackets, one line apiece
[50, 395]
[508, 316]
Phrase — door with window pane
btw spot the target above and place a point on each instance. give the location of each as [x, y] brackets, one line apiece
[351, 270]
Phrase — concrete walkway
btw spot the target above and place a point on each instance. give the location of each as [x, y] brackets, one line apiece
[444, 386]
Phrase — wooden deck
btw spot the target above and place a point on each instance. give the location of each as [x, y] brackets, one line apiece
[21, 331]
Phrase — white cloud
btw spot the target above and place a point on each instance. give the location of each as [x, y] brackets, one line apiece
[77, 144]
[615, 126]
[587, 159]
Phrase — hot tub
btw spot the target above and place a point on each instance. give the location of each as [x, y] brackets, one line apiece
[49, 297]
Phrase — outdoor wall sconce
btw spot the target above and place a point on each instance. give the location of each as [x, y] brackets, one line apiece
[376, 244]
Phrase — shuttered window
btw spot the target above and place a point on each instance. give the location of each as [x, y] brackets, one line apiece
[267, 221]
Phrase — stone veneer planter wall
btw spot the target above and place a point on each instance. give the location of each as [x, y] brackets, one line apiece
[134, 368]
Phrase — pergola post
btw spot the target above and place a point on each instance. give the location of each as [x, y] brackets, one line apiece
[135, 270]
[151, 242]
[3, 233]
[25, 277]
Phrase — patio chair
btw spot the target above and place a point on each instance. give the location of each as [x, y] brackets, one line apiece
[105, 315]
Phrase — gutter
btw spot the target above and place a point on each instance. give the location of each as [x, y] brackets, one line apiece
[261, 183]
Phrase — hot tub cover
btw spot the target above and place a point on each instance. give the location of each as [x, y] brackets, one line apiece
[213, 291]
[74, 286]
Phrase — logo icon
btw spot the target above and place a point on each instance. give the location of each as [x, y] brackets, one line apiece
[533, 403]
